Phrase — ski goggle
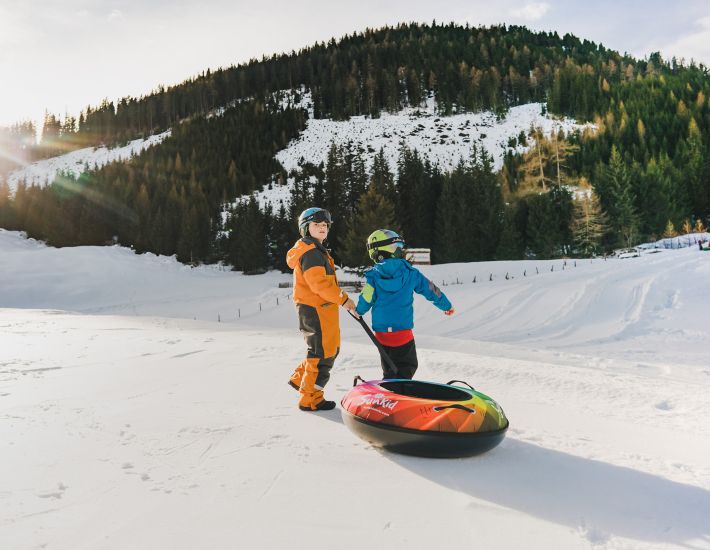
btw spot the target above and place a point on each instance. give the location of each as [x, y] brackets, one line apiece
[319, 216]
[398, 241]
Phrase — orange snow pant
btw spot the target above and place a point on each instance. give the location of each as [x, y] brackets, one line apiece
[320, 326]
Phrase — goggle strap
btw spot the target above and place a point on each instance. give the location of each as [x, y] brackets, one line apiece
[392, 240]
[324, 216]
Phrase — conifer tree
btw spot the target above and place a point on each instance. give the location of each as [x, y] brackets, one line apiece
[510, 245]
[6, 221]
[283, 234]
[535, 160]
[486, 202]
[410, 173]
[451, 215]
[548, 223]
[356, 178]
[382, 178]
[335, 199]
[696, 171]
[560, 151]
[589, 224]
[617, 198]
[469, 212]
[669, 232]
[248, 240]
[374, 212]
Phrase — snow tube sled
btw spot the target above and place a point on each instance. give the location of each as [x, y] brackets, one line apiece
[424, 418]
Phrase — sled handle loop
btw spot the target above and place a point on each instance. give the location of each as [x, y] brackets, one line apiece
[460, 382]
[455, 406]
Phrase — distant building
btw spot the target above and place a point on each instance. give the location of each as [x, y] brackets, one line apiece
[418, 256]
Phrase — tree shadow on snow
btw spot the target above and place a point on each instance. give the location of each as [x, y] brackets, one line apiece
[600, 499]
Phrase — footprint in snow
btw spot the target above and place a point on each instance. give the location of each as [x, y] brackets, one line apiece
[55, 494]
[664, 406]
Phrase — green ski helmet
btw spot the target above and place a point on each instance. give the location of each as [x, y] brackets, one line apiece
[383, 244]
[312, 215]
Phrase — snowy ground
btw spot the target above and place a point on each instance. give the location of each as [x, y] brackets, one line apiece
[131, 418]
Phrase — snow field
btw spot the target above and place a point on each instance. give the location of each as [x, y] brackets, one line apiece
[128, 424]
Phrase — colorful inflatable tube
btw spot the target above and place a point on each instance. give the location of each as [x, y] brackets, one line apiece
[424, 418]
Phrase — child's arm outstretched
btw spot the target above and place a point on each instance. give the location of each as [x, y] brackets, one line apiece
[431, 292]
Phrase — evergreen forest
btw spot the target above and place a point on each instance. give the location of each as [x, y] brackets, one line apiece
[641, 175]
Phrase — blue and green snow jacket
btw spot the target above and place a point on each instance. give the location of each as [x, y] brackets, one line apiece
[389, 292]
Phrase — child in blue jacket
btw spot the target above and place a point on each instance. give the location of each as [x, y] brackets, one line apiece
[389, 292]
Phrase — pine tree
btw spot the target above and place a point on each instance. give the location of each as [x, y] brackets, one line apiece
[486, 204]
[510, 246]
[548, 225]
[617, 198]
[410, 170]
[6, 221]
[589, 224]
[382, 178]
[283, 234]
[248, 241]
[561, 150]
[427, 188]
[356, 178]
[335, 198]
[534, 177]
[189, 239]
[469, 212]
[669, 231]
[696, 171]
[374, 212]
[451, 215]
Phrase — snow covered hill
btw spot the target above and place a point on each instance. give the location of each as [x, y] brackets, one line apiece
[444, 140]
[43, 172]
[132, 418]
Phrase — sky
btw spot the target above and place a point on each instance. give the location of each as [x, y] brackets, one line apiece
[64, 55]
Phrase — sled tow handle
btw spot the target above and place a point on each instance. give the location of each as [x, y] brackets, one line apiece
[383, 353]
[456, 406]
[450, 382]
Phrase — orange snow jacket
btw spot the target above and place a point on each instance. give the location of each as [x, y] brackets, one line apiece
[314, 281]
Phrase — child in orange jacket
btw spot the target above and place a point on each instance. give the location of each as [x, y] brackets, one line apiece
[317, 297]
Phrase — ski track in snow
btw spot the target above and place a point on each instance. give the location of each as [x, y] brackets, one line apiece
[143, 427]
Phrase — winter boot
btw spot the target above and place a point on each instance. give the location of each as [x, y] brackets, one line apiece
[311, 394]
[315, 402]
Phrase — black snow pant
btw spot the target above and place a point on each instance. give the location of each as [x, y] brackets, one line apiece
[404, 358]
